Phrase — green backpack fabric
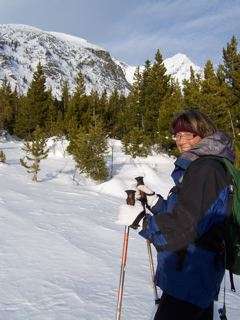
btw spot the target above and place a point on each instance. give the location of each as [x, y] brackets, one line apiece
[232, 230]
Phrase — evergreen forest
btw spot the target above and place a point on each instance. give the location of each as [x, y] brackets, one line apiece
[141, 120]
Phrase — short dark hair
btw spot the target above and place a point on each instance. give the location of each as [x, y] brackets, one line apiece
[193, 121]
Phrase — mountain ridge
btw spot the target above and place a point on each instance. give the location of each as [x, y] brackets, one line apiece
[62, 55]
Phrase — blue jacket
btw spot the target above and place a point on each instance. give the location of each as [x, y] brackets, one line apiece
[197, 204]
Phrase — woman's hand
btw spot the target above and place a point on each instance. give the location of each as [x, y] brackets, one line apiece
[145, 192]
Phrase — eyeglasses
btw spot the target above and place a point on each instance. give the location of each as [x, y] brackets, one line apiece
[184, 135]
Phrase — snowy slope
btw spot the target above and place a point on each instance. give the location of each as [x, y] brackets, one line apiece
[63, 56]
[128, 70]
[60, 248]
[179, 67]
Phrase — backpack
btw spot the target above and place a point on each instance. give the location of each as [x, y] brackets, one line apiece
[231, 231]
[232, 225]
[211, 240]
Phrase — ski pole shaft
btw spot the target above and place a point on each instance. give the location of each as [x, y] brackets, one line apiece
[152, 272]
[122, 273]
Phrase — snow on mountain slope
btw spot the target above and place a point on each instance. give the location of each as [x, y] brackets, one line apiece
[178, 66]
[60, 248]
[128, 70]
[78, 41]
[63, 56]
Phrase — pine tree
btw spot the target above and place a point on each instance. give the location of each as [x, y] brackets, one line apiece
[231, 66]
[98, 105]
[119, 127]
[191, 90]
[76, 105]
[136, 143]
[89, 150]
[145, 92]
[38, 98]
[158, 89]
[111, 113]
[91, 110]
[34, 107]
[35, 151]
[8, 106]
[230, 72]
[173, 104]
[132, 110]
[62, 107]
[214, 98]
[24, 126]
[2, 157]
[65, 97]
[94, 104]
[52, 125]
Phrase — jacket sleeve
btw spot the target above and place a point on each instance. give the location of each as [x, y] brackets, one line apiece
[201, 186]
[159, 206]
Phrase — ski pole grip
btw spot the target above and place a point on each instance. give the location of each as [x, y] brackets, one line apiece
[130, 197]
[143, 199]
[139, 181]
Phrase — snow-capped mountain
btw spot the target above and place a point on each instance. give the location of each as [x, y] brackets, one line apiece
[63, 56]
[178, 66]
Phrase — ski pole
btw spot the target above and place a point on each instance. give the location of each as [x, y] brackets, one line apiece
[130, 201]
[122, 272]
[149, 248]
[152, 271]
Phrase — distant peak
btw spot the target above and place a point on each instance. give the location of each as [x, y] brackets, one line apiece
[181, 57]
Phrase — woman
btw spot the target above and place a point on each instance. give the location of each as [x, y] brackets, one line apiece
[186, 228]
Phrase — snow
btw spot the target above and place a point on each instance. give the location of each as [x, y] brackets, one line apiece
[127, 214]
[128, 70]
[72, 39]
[60, 245]
[60, 35]
[179, 67]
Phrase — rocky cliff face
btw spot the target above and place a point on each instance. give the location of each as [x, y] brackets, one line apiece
[63, 56]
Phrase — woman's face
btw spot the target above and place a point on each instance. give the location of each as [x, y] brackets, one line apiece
[185, 141]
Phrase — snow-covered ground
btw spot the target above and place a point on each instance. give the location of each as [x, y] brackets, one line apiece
[60, 246]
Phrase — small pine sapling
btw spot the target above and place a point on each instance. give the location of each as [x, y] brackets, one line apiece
[36, 150]
[2, 157]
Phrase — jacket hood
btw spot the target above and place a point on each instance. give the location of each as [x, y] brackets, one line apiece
[219, 144]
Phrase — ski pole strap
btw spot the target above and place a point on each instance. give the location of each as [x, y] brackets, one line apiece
[136, 222]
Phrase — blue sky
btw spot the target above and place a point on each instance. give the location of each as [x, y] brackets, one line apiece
[132, 30]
